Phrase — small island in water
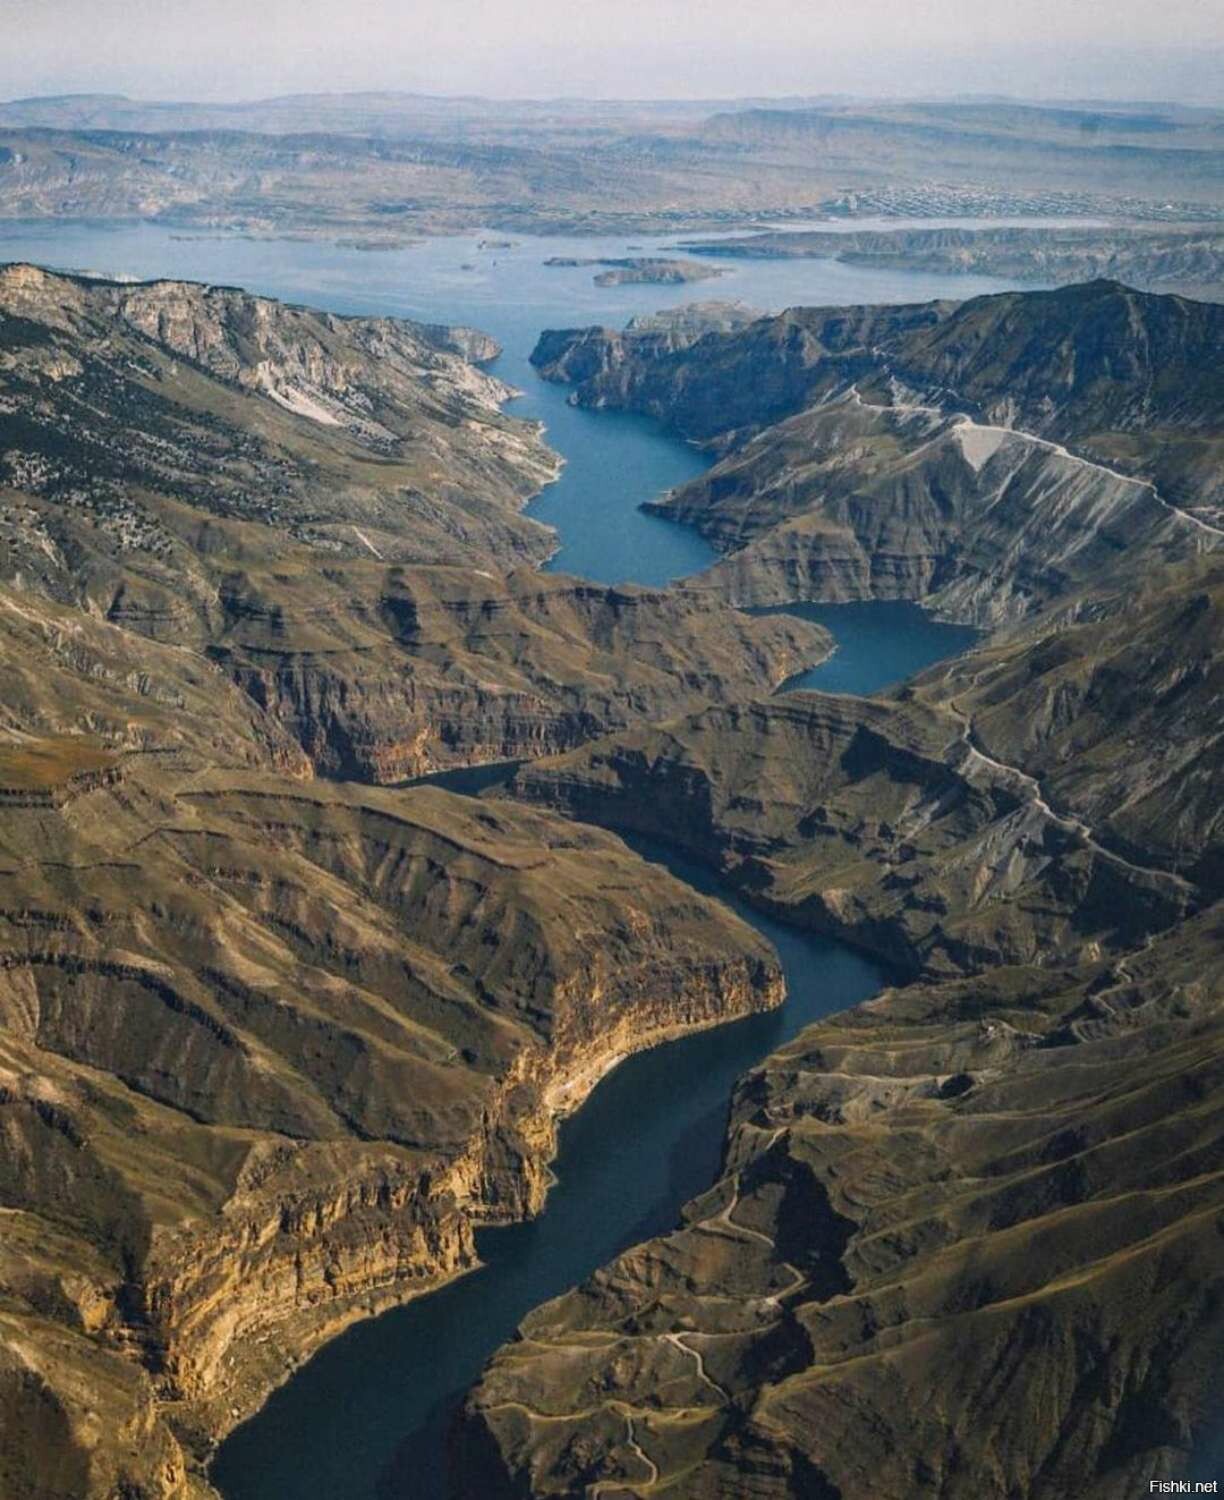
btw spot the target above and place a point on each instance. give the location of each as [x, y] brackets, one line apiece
[634, 270]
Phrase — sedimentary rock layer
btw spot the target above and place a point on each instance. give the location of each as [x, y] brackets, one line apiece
[965, 1242]
[272, 1045]
[268, 1053]
[328, 510]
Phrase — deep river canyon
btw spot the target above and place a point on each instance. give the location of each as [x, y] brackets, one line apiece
[367, 1417]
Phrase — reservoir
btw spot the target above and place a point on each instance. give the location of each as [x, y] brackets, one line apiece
[367, 1417]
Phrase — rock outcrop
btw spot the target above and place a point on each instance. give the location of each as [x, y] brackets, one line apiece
[328, 510]
[965, 1242]
[268, 1054]
[273, 1046]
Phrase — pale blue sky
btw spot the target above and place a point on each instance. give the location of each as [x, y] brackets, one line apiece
[219, 49]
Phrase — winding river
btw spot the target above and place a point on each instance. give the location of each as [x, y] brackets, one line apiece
[366, 1418]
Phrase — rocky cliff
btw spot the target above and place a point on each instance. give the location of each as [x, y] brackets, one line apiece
[984, 458]
[965, 1242]
[272, 1046]
[1054, 793]
[328, 510]
[269, 1053]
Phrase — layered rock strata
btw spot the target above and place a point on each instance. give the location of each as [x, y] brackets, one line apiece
[328, 510]
[965, 1242]
[269, 1055]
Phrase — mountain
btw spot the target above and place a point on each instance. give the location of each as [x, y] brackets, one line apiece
[965, 1239]
[1033, 147]
[278, 1035]
[985, 457]
[965, 1242]
[270, 1050]
[1056, 792]
[965, 1236]
[328, 510]
[428, 165]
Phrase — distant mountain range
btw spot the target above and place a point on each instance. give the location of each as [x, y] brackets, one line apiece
[433, 164]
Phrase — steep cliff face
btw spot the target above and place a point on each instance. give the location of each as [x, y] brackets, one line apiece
[157, 432]
[269, 1053]
[272, 1046]
[965, 1242]
[385, 674]
[710, 384]
[984, 458]
[853, 500]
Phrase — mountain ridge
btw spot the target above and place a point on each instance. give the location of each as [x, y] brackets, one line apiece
[960, 454]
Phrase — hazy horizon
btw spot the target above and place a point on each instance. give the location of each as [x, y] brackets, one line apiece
[225, 51]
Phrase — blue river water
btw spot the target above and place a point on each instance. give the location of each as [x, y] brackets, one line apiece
[367, 1418]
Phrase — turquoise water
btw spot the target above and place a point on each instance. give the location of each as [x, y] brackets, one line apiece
[367, 1417]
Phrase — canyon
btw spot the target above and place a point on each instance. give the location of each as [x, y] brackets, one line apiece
[329, 512]
[283, 1034]
[965, 1235]
[275, 1044]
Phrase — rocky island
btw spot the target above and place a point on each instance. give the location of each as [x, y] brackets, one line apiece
[635, 269]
